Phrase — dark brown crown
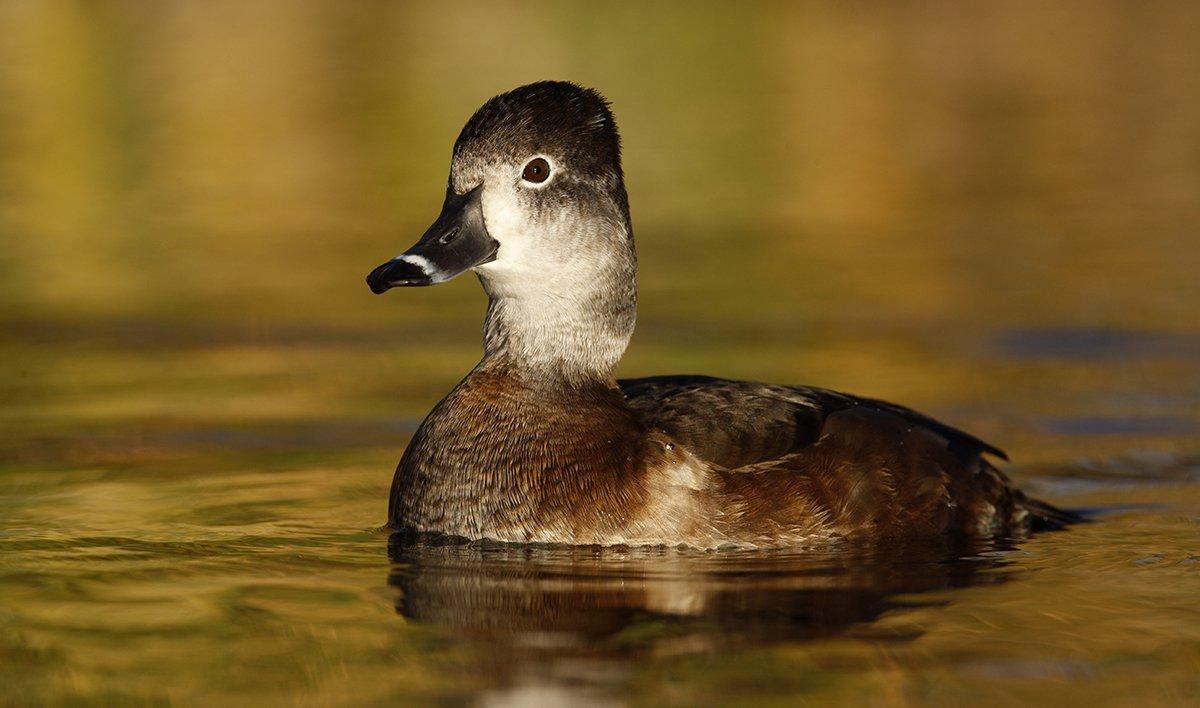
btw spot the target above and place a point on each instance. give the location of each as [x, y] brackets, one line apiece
[557, 118]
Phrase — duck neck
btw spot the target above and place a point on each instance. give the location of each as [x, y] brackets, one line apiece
[570, 328]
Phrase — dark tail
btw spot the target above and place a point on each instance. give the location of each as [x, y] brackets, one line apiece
[1046, 517]
[1036, 516]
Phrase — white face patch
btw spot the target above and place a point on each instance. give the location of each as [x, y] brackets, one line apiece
[521, 259]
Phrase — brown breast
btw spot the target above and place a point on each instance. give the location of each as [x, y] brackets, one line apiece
[503, 456]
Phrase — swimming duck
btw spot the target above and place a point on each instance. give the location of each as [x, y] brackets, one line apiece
[541, 443]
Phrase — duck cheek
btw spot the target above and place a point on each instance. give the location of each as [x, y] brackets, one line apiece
[508, 224]
[510, 214]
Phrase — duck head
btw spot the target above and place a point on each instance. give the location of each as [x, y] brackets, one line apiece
[536, 207]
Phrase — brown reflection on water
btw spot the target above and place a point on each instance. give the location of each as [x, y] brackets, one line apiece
[564, 622]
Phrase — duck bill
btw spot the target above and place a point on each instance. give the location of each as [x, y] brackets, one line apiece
[457, 242]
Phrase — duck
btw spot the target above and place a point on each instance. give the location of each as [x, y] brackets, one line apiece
[541, 443]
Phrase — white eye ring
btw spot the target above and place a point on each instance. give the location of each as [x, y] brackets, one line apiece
[537, 172]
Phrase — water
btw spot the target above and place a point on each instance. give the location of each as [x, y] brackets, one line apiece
[987, 212]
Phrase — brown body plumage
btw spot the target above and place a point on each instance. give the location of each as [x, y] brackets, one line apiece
[695, 461]
[540, 442]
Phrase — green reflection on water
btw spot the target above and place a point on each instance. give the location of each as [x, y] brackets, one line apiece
[988, 212]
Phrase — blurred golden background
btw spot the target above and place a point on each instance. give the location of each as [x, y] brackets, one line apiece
[861, 177]
[989, 211]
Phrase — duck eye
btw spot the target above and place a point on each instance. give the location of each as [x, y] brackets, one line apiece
[536, 171]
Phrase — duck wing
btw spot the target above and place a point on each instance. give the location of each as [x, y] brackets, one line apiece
[737, 423]
[855, 463]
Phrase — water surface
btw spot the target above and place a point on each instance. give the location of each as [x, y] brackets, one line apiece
[988, 212]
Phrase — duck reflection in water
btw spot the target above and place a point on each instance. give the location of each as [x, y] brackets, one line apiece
[599, 609]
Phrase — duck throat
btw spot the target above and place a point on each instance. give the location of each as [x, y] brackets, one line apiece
[571, 326]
